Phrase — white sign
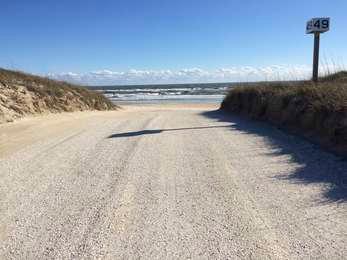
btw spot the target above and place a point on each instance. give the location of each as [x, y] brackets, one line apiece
[319, 25]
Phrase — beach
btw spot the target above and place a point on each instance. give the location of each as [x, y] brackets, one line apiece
[166, 182]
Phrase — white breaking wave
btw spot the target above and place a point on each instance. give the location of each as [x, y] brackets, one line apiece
[197, 92]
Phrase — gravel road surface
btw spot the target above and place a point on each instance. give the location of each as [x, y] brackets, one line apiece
[167, 183]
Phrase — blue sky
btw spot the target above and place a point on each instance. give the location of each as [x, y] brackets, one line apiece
[157, 41]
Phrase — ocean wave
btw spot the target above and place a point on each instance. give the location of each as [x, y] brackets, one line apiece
[165, 92]
[166, 97]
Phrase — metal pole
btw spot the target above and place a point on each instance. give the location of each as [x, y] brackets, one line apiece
[316, 57]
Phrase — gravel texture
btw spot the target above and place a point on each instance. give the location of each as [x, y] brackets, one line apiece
[168, 183]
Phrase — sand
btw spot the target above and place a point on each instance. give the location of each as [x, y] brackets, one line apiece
[166, 182]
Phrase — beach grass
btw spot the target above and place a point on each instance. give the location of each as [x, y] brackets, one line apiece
[317, 110]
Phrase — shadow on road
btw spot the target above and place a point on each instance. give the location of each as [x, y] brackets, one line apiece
[317, 166]
[158, 131]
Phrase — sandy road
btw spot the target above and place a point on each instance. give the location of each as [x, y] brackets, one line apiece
[166, 183]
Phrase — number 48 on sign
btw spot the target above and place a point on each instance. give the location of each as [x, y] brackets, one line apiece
[318, 25]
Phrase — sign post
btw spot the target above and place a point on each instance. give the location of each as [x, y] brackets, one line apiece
[317, 26]
[316, 57]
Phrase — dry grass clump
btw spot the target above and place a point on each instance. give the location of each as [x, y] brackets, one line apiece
[55, 90]
[339, 76]
[318, 110]
[23, 94]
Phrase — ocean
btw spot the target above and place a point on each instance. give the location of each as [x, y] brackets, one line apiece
[172, 93]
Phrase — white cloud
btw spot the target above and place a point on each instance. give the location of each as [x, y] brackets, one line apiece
[190, 75]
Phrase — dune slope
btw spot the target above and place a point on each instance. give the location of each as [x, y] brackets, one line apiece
[24, 94]
[317, 111]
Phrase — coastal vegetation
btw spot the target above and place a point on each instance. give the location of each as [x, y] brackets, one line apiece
[23, 94]
[316, 110]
